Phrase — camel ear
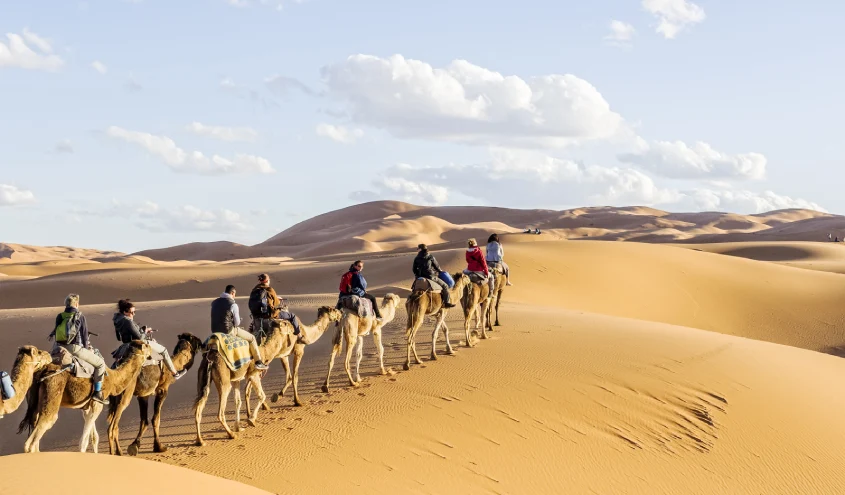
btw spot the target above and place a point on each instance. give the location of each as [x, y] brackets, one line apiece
[27, 349]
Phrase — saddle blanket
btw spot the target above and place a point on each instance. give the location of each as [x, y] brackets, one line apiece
[495, 267]
[425, 285]
[358, 305]
[63, 357]
[477, 277]
[235, 350]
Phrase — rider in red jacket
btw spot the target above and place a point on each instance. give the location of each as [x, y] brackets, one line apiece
[475, 258]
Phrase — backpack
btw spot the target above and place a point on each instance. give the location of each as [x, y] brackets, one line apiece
[68, 328]
[345, 282]
[258, 302]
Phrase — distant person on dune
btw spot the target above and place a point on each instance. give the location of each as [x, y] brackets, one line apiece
[495, 255]
[476, 262]
[354, 284]
[426, 266]
[265, 305]
[126, 330]
[226, 318]
[71, 333]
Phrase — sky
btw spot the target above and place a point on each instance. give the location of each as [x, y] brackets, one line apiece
[135, 124]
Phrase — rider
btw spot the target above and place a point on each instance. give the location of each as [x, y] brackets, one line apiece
[495, 254]
[127, 330]
[476, 262]
[226, 318]
[353, 283]
[71, 333]
[426, 266]
[262, 312]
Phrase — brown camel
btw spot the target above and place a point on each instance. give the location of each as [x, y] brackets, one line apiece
[353, 329]
[421, 304]
[28, 363]
[153, 381]
[475, 300]
[278, 343]
[493, 307]
[63, 390]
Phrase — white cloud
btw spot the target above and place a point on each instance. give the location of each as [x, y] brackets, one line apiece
[677, 160]
[413, 192]
[230, 134]
[674, 15]
[11, 196]
[339, 133]
[64, 146]
[742, 201]
[194, 162]
[17, 52]
[99, 67]
[621, 33]
[156, 218]
[469, 104]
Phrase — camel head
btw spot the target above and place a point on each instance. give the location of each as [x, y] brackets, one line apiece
[333, 314]
[391, 297]
[139, 348]
[31, 355]
[461, 279]
[188, 340]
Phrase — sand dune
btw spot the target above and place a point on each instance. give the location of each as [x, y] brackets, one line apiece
[23, 253]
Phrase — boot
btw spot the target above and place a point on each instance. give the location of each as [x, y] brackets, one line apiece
[98, 394]
[179, 374]
[259, 365]
[445, 295]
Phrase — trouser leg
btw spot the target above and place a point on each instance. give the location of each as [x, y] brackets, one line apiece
[507, 270]
[253, 344]
[156, 347]
[287, 315]
[372, 299]
[91, 358]
[444, 294]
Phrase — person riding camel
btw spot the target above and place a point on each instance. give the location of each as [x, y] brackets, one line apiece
[476, 262]
[354, 284]
[226, 318]
[71, 333]
[127, 330]
[265, 306]
[426, 266]
[495, 255]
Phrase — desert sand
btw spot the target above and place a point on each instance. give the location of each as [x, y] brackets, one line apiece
[685, 366]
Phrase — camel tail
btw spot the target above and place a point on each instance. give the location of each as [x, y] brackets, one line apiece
[203, 380]
[27, 424]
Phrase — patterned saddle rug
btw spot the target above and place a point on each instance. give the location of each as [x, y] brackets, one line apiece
[358, 305]
[235, 350]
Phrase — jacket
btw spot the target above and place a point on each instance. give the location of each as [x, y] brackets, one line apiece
[426, 266]
[475, 261]
[224, 314]
[272, 301]
[82, 335]
[357, 283]
[495, 252]
[126, 329]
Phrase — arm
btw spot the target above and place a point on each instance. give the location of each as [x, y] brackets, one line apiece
[358, 285]
[483, 263]
[83, 331]
[435, 264]
[134, 329]
[236, 314]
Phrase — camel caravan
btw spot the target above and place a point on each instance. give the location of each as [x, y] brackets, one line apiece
[74, 374]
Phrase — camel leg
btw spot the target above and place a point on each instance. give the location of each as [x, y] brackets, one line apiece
[43, 424]
[161, 394]
[238, 404]
[380, 349]
[247, 397]
[114, 425]
[482, 316]
[467, 325]
[255, 381]
[95, 438]
[288, 379]
[351, 342]
[359, 355]
[298, 352]
[434, 335]
[135, 446]
[203, 385]
[223, 390]
[449, 349]
[89, 417]
[498, 300]
[336, 347]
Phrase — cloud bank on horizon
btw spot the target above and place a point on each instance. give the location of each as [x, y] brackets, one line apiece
[195, 137]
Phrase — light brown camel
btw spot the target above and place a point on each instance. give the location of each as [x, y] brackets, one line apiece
[153, 381]
[493, 307]
[63, 390]
[475, 300]
[421, 304]
[278, 343]
[28, 363]
[353, 329]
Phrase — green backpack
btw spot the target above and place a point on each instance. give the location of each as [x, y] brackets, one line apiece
[67, 329]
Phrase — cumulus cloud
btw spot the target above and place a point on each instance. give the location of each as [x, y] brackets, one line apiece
[469, 104]
[674, 15]
[621, 33]
[229, 134]
[11, 196]
[29, 51]
[743, 201]
[99, 67]
[677, 160]
[64, 146]
[150, 216]
[194, 162]
[339, 133]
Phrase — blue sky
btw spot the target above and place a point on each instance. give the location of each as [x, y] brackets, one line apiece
[233, 119]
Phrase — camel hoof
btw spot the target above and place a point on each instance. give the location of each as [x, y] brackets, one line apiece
[199, 443]
[264, 406]
[389, 372]
[298, 404]
[484, 336]
[325, 389]
[251, 423]
[233, 436]
[132, 449]
[274, 398]
[450, 352]
[497, 324]
[406, 367]
[433, 357]
[159, 449]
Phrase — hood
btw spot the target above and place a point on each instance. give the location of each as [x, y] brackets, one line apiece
[117, 318]
[471, 249]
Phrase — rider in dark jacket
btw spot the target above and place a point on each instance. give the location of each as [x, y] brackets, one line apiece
[426, 266]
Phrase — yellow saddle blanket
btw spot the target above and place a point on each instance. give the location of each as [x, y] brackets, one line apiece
[235, 350]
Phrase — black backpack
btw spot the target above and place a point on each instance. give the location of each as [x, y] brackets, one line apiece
[258, 302]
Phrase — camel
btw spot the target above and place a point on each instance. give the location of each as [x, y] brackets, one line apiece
[493, 307]
[280, 342]
[475, 301]
[353, 329]
[153, 381]
[28, 363]
[421, 304]
[63, 390]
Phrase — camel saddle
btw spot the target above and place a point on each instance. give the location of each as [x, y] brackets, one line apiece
[422, 284]
[77, 367]
[477, 278]
[495, 267]
[118, 354]
[235, 350]
[362, 307]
